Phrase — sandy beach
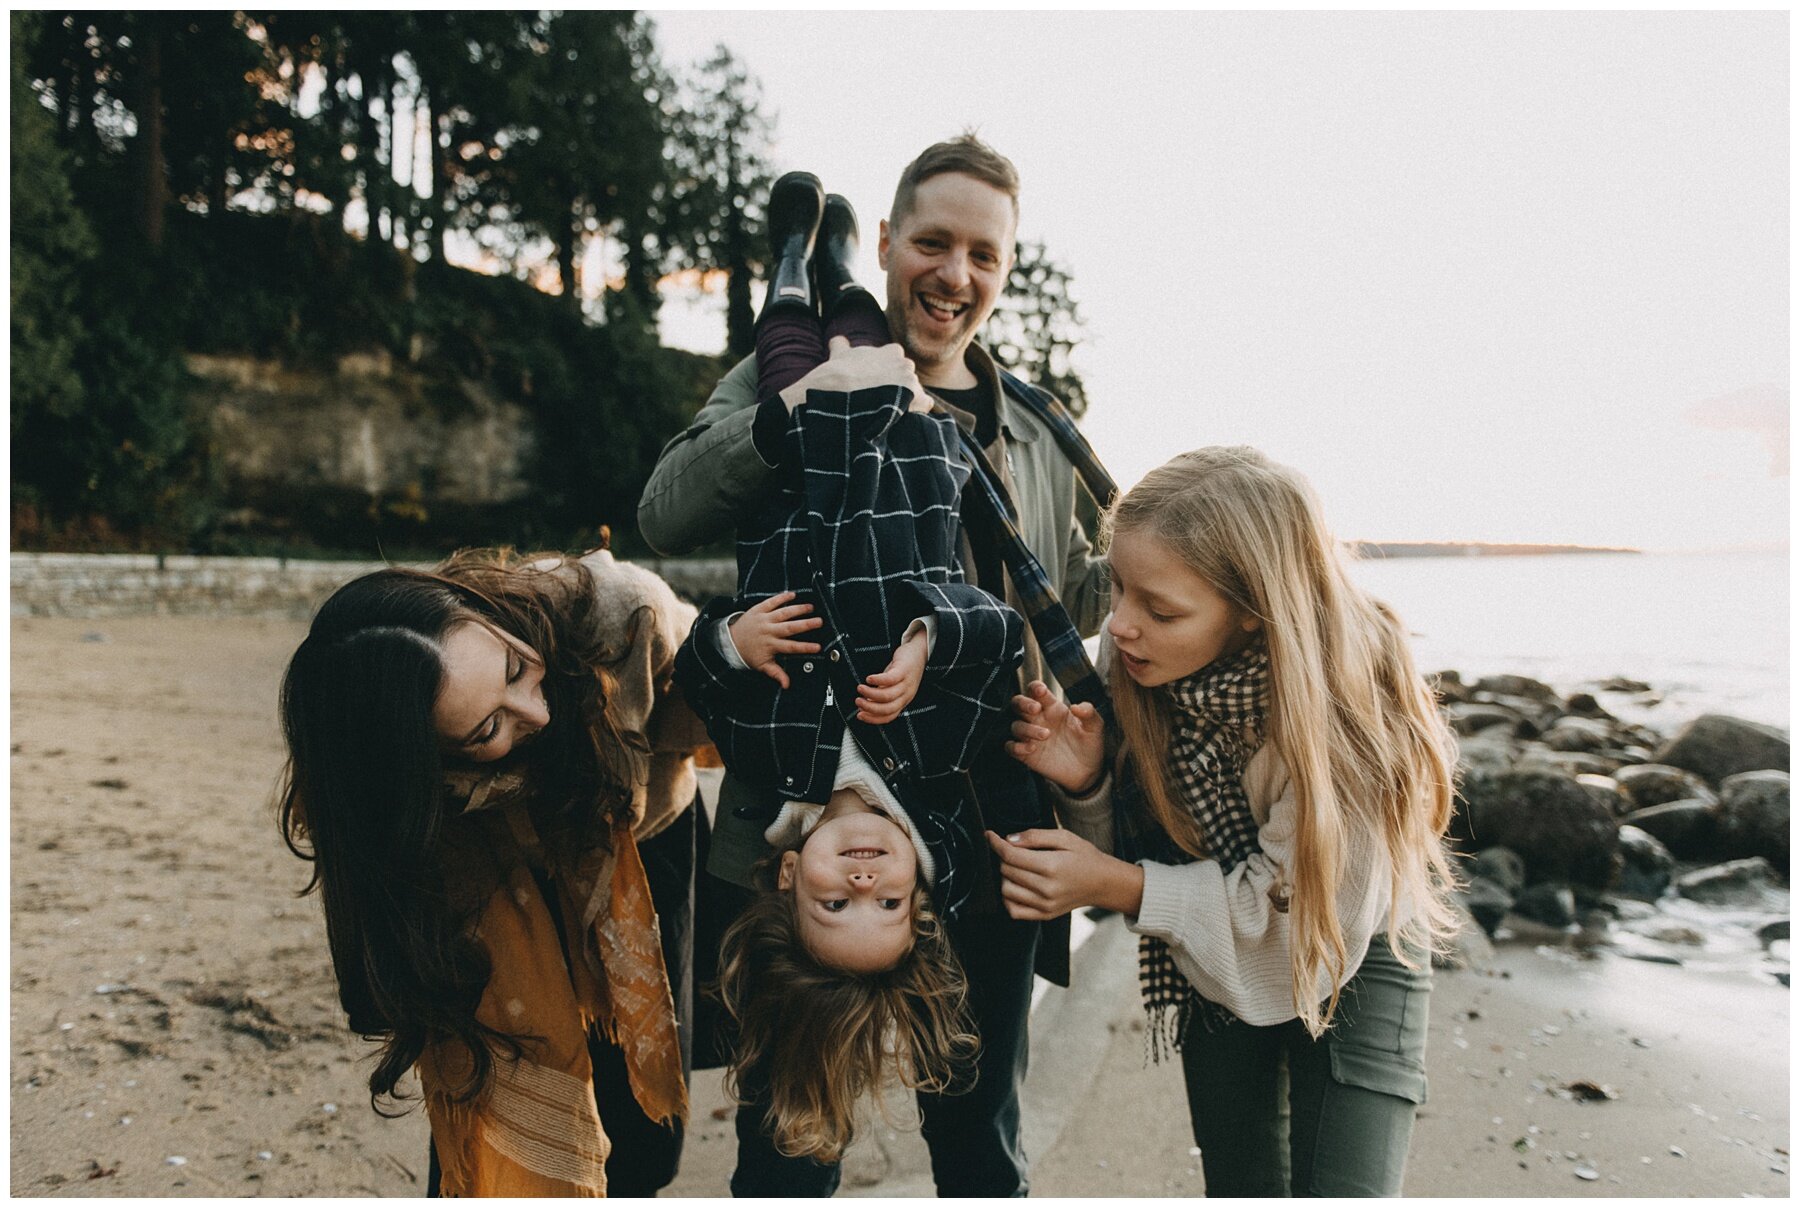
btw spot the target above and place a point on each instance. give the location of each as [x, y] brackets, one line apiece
[175, 1029]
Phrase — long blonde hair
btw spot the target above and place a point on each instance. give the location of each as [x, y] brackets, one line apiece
[821, 1037]
[1357, 727]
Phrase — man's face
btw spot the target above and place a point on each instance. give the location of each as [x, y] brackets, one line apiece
[947, 260]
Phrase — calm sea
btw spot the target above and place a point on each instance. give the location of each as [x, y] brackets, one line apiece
[1709, 632]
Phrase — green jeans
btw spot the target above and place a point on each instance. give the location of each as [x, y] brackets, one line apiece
[1278, 1113]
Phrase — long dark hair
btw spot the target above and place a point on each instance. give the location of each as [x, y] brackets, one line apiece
[363, 795]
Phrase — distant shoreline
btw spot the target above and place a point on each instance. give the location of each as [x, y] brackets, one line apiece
[1473, 549]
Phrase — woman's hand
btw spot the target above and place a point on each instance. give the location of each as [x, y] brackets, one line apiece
[858, 369]
[880, 698]
[1064, 745]
[765, 630]
[1047, 873]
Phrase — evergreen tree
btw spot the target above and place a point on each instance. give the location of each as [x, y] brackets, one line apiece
[1037, 326]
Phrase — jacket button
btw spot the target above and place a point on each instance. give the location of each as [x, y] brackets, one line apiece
[806, 666]
[790, 780]
[888, 763]
[834, 656]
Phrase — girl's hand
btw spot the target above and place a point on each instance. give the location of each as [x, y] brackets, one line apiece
[765, 630]
[880, 699]
[1064, 745]
[1047, 873]
[849, 369]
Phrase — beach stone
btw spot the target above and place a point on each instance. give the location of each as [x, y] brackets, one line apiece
[1487, 903]
[1619, 683]
[1569, 763]
[1470, 947]
[1578, 734]
[1744, 884]
[1645, 865]
[1583, 704]
[1472, 718]
[1483, 754]
[1501, 865]
[1716, 746]
[1605, 790]
[1551, 905]
[1753, 817]
[1519, 685]
[1768, 933]
[1562, 833]
[1539, 713]
[1647, 784]
[1626, 756]
[1689, 829]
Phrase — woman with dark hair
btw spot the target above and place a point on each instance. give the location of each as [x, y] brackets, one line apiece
[484, 762]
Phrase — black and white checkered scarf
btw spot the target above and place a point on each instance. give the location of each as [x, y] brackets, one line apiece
[1218, 721]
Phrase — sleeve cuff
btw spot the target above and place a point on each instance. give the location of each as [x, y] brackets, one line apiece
[1165, 908]
[929, 625]
[725, 646]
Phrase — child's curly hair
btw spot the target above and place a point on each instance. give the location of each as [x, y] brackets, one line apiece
[820, 1037]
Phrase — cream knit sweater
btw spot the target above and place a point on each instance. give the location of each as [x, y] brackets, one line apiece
[1226, 935]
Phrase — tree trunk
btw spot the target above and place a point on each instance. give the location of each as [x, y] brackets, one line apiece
[153, 187]
[440, 176]
[565, 265]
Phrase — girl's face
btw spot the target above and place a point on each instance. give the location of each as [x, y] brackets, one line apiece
[853, 882]
[1167, 622]
[492, 696]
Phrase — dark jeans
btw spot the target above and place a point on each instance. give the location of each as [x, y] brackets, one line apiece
[974, 1136]
[1278, 1113]
[790, 340]
[646, 1155]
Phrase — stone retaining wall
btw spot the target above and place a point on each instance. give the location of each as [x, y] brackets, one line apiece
[112, 585]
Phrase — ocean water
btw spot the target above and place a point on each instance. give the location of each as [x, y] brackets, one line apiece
[1708, 632]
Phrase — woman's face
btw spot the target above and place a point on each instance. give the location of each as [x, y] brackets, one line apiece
[492, 696]
[1167, 622]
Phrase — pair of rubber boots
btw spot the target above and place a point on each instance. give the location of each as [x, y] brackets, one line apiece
[813, 239]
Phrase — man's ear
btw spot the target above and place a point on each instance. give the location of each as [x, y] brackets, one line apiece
[881, 246]
[784, 877]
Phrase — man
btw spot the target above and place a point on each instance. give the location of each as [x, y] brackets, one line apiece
[947, 249]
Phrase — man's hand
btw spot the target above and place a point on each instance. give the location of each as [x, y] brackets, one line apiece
[767, 629]
[1064, 745]
[858, 369]
[1047, 873]
[880, 698]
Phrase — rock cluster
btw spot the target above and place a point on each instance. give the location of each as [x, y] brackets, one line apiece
[1561, 805]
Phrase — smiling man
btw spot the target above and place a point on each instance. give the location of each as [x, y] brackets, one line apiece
[947, 249]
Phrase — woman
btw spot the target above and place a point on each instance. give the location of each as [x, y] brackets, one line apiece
[1285, 781]
[475, 755]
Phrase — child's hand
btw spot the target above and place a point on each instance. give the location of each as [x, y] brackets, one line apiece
[1064, 745]
[858, 369]
[767, 629]
[880, 699]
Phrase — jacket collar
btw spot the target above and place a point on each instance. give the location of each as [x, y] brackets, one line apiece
[1016, 423]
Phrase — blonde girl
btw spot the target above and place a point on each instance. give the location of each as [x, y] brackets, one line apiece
[1281, 787]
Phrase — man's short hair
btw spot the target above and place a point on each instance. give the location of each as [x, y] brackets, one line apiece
[966, 154]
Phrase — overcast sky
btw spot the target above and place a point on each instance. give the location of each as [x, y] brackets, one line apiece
[1481, 276]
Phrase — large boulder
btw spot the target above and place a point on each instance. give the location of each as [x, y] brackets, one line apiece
[1569, 763]
[1485, 756]
[1563, 834]
[1717, 746]
[1647, 784]
[1473, 718]
[1486, 903]
[1753, 817]
[1645, 864]
[1689, 829]
[1739, 884]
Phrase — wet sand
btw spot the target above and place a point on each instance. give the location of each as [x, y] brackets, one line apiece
[175, 1027]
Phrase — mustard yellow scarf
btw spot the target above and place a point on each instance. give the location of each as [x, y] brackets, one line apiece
[535, 1131]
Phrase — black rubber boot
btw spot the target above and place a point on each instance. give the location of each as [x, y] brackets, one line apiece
[835, 255]
[795, 205]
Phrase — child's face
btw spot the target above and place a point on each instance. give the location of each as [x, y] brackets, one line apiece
[1167, 622]
[853, 881]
